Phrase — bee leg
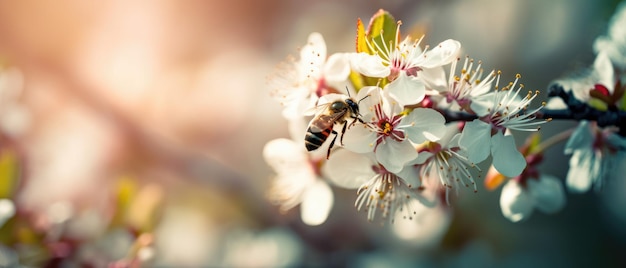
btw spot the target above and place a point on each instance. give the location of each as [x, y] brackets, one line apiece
[332, 143]
[355, 120]
[343, 130]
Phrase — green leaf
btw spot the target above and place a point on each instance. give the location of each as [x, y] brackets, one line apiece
[598, 104]
[357, 80]
[382, 24]
[380, 34]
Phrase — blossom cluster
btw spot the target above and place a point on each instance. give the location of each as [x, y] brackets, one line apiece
[598, 144]
[405, 124]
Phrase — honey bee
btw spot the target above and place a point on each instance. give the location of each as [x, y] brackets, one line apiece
[336, 112]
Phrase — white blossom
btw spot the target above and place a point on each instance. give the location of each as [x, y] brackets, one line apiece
[498, 112]
[519, 200]
[378, 188]
[462, 88]
[428, 227]
[409, 68]
[298, 181]
[600, 73]
[444, 162]
[614, 43]
[298, 84]
[595, 153]
[390, 133]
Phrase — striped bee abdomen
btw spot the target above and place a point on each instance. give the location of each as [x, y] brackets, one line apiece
[315, 139]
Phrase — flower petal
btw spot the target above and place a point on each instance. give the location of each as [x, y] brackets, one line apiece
[614, 42]
[297, 128]
[481, 104]
[604, 68]
[434, 78]
[394, 155]
[284, 155]
[516, 204]
[294, 172]
[359, 139]
[390, 106]
[583, 169]
[337, 68]
[406, 90]
[368, 97]
[312, 56]
[548, 193]
[369, 65]
[428, 227]
[299, 102]
[422, 157]
[316, 203]
[347, 169]
[617, 141]
[424, 124]
[476, 140]
[581, 138]
[410, 176]
[442, 54]
[506, 158]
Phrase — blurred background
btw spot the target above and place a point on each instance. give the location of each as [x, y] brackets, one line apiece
[132, 135]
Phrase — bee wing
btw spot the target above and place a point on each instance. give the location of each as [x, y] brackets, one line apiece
[323, 102]
[324, 121]
[318, 109]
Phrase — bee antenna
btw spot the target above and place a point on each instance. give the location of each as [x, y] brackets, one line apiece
[359, 102]
[348, 90]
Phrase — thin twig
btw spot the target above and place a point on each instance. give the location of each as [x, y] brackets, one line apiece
[578, 110]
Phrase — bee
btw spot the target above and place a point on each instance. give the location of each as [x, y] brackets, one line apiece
[336, 112]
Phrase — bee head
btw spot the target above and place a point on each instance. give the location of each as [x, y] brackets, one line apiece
[353, 106]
